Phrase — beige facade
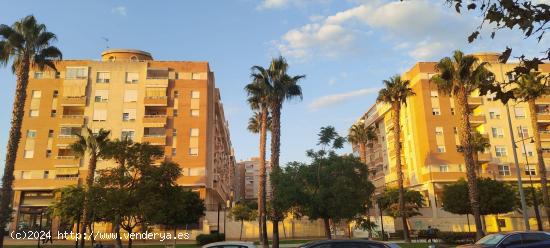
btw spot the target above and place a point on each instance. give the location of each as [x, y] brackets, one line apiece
[172, 104]
[249, 176]
[430, 157]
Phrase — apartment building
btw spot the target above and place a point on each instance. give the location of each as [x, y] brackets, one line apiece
[171, 104]
[248, 176]
[429, 140]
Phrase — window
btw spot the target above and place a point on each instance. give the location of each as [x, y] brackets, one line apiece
[31, 134]
[132, 77]
[494, 114]
[26, 175]
[443, 168]
[55, 93]
[195, 76]
[452, 111]
[173, 151]
[504, 170]
[38, 75]
[500, 151]
[50, 133]
[69, 131]
[130, 96]
[176, 94]
[36, 94]
[511, 76]
[157, 73]
[438, 130]
[523, 132]
[512, 240]
[174, 132]
[48, 153]
[195, 94]
[46, 174]
[194, 132]
[53, 113]
[497, 132]
[501, 223]
[33, 113]
[434, 94]
[103, 77]
[100, 115]
[129, 115]
[28, 154]
[101, 95]
[530, 170]
[455, 131]
[193, 151]
[441, 149]
[134, 58]
[460, 167]
[194, 112]
[175, 112]
[520, 113]
[436, 111]
[76, 73]
[127, 134]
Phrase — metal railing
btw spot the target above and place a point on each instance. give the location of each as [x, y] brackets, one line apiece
[154, 135]
[156, 97]
[154, 116]
[65, 157]
[72, 116]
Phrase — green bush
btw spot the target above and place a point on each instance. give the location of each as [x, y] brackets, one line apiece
[456, 237]
[204, 239]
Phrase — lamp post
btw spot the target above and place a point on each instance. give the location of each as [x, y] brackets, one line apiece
[518, 171]
[533, 194]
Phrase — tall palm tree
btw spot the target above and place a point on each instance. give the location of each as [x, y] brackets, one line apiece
[26, 44]
[395, 94]
[257, 99]
[479, 143]
[458, 77]
[93, 145]
[255, 123]
[280, 87]
[531, 86]
[360, 134]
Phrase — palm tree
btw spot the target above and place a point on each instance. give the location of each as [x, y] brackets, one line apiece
[479, 144]
[360, 135]
[458, 77]
[395, 93]
[280, 88]
[27, 44]
[531, 86]
[257, 99]
[94, 146]
[255, 123]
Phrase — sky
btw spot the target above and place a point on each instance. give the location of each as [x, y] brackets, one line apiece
[344, 47]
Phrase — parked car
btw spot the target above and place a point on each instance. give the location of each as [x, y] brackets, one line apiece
[351, 243]
[230, 244]
[513, 240]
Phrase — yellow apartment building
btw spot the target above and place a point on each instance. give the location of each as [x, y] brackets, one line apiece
[430, 157]
[172, 104]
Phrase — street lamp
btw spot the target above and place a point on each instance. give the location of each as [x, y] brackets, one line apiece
[518, 172]
[534, 195]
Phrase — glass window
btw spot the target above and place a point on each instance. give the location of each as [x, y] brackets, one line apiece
[195, 94]
[173, 151]
[494, 114]
[100, 115]
[176, 94]
[36, 94]
[55, 93]
[497, 132]
[175, 112]
[452, 111]
[76, 73]
[103, 77]
[523, 132]
[530, 170]
[443, 168]
[513, 239]
[195, 76]
[504, 170]
[500, 151]
[50, 133]
[28, 154]
[439, 130]
[129, 115]
[436, 111]
[193, 151]
[520, 113]
[434, 94]
[130, 96]
[26, 175]
[194, 112]
[33, 113]
[31, 134]
[127, 134]
[441, 149]
[132, 77]
[53, 113]
[38, 75]
[194, 132]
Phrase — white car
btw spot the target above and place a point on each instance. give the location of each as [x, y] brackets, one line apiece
[230, 244]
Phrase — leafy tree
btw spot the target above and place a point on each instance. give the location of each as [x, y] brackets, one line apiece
[360, 134]
[92, 144]
[242, 212]
[389, 202]
[455, 198]
[26, 43]
[258, 101]
[458, 77]
[395, 93]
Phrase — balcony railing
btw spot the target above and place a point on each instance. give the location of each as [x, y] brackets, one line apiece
[543, 116]
[154, 135]
[155, 101]
[72, 116]
[73, 101]
[65, 157]
[154, 116]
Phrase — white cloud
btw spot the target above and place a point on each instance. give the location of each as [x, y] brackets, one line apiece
[330, 100]
[120, 10]
[279, 4]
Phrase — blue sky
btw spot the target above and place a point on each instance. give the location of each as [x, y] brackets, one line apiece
[344, 47]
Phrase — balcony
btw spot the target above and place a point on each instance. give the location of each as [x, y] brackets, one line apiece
[155, 101]
[66, 139]
[543, 100]
[73, 101]
[543, 117]
[157, 82]
[546, 152]
[477, 120]
[72, 119]
[443, 176]
[484, 157]
[475, 101]
[155, 139]
[544, 135]
[67, 161]
[154, 120]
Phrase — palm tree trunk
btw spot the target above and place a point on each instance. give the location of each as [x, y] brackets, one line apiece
[540, 158]
[275, 153]
[17, 115]
[89, 183]
[262, 181]
[465, 136]
[118, 240]
[396, 107]
[363, 153]
[327, 228]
